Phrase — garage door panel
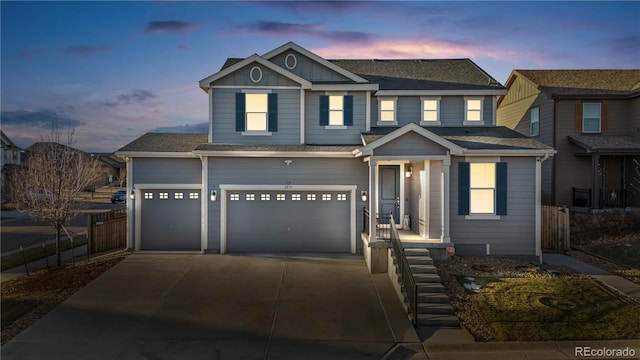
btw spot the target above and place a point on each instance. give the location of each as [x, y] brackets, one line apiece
[170, 222]
[289, 225]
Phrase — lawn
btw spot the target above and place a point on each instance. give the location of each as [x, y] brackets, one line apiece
[627, 254]
[553, 308]
[35, 253]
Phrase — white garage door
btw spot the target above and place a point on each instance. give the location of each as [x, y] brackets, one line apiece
[288, 221]
[170, 219]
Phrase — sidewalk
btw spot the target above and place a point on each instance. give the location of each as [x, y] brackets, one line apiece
[79, 253]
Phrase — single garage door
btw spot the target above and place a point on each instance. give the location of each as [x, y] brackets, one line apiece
[170, 219]
[288, 221]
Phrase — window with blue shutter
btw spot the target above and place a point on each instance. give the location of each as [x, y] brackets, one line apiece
[273, 112]
[348, 110]
[482, 188]
[336, 110]
[324, 110]
[501, 188]
[256, 112]
[463, 188]
[240, 112]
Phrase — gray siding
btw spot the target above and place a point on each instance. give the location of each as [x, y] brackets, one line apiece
[224, 119]
[272, 171]
[514, 233]
[413, 193]
[316, 134]
[435, 200]
[410, 144]
[635, 116]
[307, 68]
[167, 171]
[241, 77]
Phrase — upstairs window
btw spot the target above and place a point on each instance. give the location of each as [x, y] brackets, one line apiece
[256, 113]
[387, 113]
[336, 110]
[535, 121]
[430, 110]
[473, 111]
[591, 117]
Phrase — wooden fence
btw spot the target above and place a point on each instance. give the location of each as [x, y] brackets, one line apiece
[555, 228]
[107, 231]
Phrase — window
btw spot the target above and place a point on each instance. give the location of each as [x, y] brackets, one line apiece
[193, 195]
[178, 195]
[265, 197]
[250, 197]
[535, 121]
[256, 113]
[387, 111]
[342, 197]
[473, 111]
[430, 113]
[295, 197]
[280, 197]
[591, 117]
[163, 195]
[326, 197]
[482, 181]
[234, 197]
[148, 195]
[336, 110]
[311, 197]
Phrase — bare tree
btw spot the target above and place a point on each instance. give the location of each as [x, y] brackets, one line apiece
[47, 184]
[122, 176]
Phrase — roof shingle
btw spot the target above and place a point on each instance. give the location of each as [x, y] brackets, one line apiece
[584, 82]
[165, 142]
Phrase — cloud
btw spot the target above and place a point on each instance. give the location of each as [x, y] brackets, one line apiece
[627, 45]
[38, 118]
[313, 30]
[306, 7]
[136, 97]
[24, 53]
[86, 50]
[170, 26]
[195, 128]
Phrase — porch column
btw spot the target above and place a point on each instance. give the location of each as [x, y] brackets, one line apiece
[595, 194]
[446, 188]
[373, 203]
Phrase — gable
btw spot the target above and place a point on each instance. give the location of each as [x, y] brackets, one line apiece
[519, 88]
[246, 75]
[410, 143]
[307, 68]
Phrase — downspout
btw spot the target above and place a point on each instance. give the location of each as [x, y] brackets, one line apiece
[204, 205]
[555, 162]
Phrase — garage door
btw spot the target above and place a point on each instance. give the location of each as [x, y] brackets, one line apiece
[170, 219]
[288, 221]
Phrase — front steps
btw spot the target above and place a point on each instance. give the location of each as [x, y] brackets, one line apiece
[433, 304]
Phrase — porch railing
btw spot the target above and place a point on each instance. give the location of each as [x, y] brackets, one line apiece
[581, 197]
[365, 221]
[383, 224]
[406, 277]
[612, 199]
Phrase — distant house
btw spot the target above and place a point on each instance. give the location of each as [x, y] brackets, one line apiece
[306, 154]
[592, 118]
[113, 169]
[9, 158]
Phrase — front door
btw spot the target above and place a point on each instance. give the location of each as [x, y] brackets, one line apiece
[389, 191]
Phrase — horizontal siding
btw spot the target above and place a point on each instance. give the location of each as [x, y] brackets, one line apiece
[273, 171]
[307, 68]
[224, 119]
[435, 200]
[514, 233]
[242, 77]
[413, 193]
[166, 171]
[410, 144]
[316, 134]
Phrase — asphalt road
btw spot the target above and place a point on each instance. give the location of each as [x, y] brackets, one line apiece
[18, 229]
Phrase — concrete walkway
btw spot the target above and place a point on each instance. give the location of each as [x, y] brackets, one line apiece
[178, 306]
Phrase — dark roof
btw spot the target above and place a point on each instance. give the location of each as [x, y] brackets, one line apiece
[6, 142]
[473, 137]
[606, 143]
[111, 160]
[277, 148]
[584, 82]
[165, 142]
[230, 62]
[420, 74]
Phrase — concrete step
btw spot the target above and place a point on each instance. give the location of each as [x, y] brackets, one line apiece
[426, 278]
[438, 320]
[423, 269]
[433, 298]
[426, 288]
[432, 308]
[419, 260]
[416, 252]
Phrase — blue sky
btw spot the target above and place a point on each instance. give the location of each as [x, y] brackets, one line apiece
[116, 70]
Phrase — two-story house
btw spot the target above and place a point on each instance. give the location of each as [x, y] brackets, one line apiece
[306, 154]
[592, 118]
[9, 158]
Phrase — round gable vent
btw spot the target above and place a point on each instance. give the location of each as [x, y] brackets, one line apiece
[255, 74]
[290, 61]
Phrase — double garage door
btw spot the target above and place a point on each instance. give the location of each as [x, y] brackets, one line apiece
[170, 219]
[288, 221]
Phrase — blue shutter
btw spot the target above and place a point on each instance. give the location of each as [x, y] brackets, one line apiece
[240, 111]
[273, 112]
[324, 110]
[348, 110]
[463, 188]
[501, 188]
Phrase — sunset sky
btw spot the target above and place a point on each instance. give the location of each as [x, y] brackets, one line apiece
[116, 70]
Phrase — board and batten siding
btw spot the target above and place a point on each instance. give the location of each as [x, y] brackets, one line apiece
[306, 68]
[435, 200]
[273, 171]
[410, 144]
[514, 233]
[224, 115]
[319, 135]
[242, 77]
[167, 171]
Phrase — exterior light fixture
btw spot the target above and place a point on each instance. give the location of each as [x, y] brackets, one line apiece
[132, 194]
[288, 162]
[363, 195]
[408, 171]
[214, 195]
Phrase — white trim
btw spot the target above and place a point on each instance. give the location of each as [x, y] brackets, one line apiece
[386, 123]
[172, 186]
[154, 154]
[467, 122]
[295, 61]
[368, 111]
[400, 164]
[407, 158]
[395, 110]
[336, 93]
[335, 127]
[344, 87]
[204, 211]
[538, 214]
[482, 217]
[251, 74]
[446, 196]
[130, 205]
[267, 154]
[368, 149]
[437, 99]
[293, 46]
[246, 90]
[210, 135]
[254, 87]
[508, 152]
[256, 133]
[206, 82]
[240, 187]
[425, 200]
[485, 92]
[494, 107]
[302, 115]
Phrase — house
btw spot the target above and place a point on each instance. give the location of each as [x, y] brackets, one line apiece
[112, 169]
[306, 154]
[592, 118]
[9, 158]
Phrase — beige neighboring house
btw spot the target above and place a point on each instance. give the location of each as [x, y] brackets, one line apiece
[592, 119]
[9, 158]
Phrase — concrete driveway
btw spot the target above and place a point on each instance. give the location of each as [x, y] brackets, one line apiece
[180, 306]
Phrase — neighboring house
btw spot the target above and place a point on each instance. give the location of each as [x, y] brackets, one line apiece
[9, 158]
[592, 118]
[300, 149]
[112, 169]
